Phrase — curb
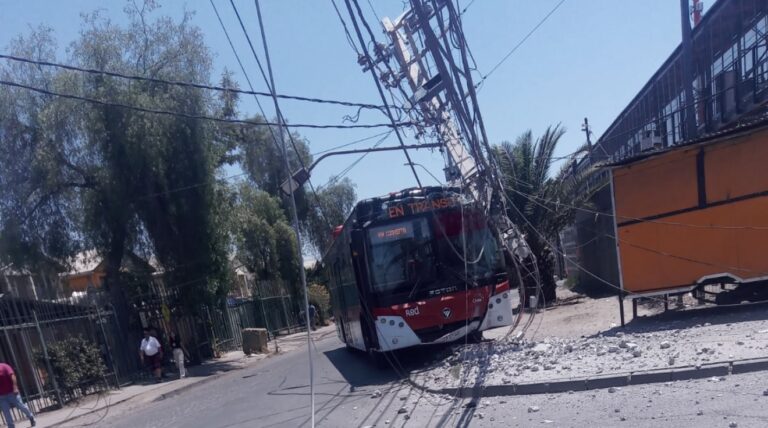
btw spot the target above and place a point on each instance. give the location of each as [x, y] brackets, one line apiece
[601, 382]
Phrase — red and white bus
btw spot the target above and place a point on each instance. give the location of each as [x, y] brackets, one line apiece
[416, 267]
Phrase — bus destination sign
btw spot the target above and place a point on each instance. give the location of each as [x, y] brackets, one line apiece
[391, 233]
[417, 207]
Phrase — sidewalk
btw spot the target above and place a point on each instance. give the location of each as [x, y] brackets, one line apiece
[142, 393]
[707, 342]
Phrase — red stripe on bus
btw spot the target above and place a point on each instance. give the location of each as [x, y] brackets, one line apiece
[440, 310]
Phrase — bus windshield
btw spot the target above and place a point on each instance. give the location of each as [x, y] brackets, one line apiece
[436, 250]
[401, 255]
[471, 246]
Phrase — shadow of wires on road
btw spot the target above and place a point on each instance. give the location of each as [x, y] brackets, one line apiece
[691, 317]
[477, 384]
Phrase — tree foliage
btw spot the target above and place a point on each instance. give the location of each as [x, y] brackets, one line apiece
[76, 363]
[540, 204]
[330, 208]
[76, 176]
[112, 178]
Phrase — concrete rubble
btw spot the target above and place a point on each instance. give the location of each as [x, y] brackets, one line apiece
[553, 358]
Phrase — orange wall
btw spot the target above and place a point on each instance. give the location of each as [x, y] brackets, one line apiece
[81, 282]
[656, 256]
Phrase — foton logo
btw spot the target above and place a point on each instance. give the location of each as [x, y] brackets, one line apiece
[412, 311]
[447, 312]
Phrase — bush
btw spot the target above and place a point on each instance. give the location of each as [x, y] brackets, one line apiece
[77, 364]
[319, 296]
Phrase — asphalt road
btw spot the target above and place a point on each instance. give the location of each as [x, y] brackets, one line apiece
[275, 393]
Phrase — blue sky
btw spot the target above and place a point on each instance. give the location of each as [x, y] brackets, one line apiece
[588, 60]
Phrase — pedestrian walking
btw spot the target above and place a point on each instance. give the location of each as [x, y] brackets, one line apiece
[9, 396]
[312, 314]
[151, 354]
[179, 353]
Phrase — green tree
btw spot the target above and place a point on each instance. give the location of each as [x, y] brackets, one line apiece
[330, 209]
[540, 204]
[40, 183]
[113, 178]
[265, 242]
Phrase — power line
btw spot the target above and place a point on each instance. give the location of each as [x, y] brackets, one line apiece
[293, 208]
[188, 84]
[258, 103]
[520, 43]
[346, 170]
[270, 85]
[351, 143]
[655, 251]
[195, 116]
[376, 80]
[346, 29]
[464, 10]
[636, 219]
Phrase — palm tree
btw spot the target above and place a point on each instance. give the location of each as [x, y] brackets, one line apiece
[540, 204]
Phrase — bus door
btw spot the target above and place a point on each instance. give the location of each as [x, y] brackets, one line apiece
[342, 322]
[367, 324]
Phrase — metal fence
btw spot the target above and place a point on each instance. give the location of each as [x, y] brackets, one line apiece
[30, 327]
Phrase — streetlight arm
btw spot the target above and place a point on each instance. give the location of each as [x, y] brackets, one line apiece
[373, 149]
[302, 175]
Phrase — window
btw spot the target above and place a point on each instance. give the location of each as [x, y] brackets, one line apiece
[401, 254]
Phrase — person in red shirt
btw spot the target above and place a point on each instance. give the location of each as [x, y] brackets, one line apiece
[9, 396]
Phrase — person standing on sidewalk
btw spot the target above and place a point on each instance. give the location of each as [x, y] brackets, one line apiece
[179, 353]
[312, 315]
[151, 354]
[9, 396]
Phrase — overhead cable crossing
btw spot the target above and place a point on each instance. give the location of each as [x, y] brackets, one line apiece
[196, 116]
[189, 84]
